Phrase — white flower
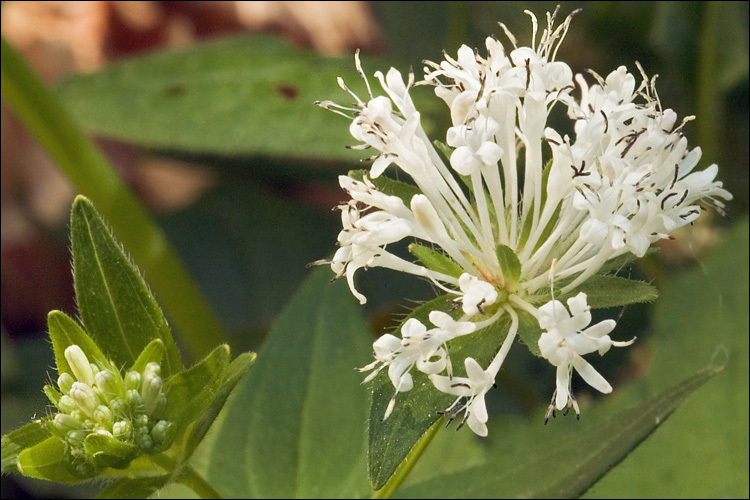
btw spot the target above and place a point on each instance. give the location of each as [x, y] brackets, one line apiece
[624, 180]
[473, 387]
[419, 347]
[566, 341]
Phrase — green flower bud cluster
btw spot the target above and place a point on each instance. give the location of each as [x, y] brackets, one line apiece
[122, 412]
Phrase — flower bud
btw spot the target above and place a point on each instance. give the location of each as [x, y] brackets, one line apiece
[123, 430]
[65, 382]
[103, 415]
[67, 405]
[163, 433]
[118, 405]
[65, 423]
[84, 397]
[109, 384]
[151, 391]
[134, 399]
[132, 381]
[143, 440]
[80, 365]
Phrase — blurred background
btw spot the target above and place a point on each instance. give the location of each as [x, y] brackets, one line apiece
[246, 221]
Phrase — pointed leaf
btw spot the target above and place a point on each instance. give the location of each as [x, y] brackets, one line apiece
[48, 460]
[152, 353]
[134, 487]
[234, 373]
[191, 392]
[613, 291]
[117, 309]
[509, 263]
[64, 332]
[436, 261]
[568, 466]
[15, 442]
[294, 427]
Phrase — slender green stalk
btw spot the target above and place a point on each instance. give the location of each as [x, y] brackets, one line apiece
[707, 95]
[46, 118]
[190, 478]
[408, 463]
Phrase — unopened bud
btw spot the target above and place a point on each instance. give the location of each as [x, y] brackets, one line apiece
[163, 433]
[65, 382]
[109, 384]
[132, 381]
[135, 400]
[67, 405]
[151, 391]
[122, 430]
[66, 423]
[103, 415]
[84, 397]
[80, 365]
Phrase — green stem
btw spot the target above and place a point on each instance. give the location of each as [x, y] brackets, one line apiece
[190, 478]
[45, 117]
[408, 463]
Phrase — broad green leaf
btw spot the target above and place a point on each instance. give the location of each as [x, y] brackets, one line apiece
[233, 374]
[116, 306]
[191, 392]
[436, 261]
[18, 440]
[48, 460]
[294, 427]
[134, 487]
[64, 332]
[567, 464]
[613, 291]
[509, 263]
[250, 95]
[415, 411]
[700, 451]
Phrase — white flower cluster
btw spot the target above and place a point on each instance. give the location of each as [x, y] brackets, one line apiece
[564, 206]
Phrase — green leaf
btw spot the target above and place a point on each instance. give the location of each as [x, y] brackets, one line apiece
[152, 353]
[415, 411]
[509, 263]
[233, 374]
[79, 159]
[191, 392]
[108, 451]
[294, 426]
[436, 261]
[18, 440]
[134, 487]
[48, 460]
[116, 306]
[613, 291]
[250, 95]
[566, 465]
[64, 332]
[699, 451]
